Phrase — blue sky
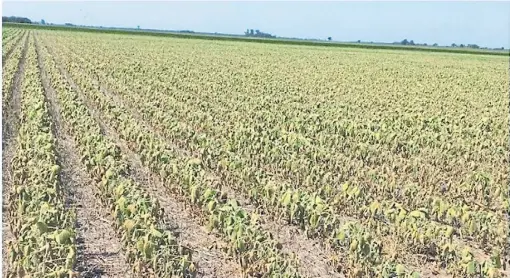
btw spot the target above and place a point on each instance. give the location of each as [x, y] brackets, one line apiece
[482, 23]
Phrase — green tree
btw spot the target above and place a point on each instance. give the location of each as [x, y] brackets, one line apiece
[16, 19]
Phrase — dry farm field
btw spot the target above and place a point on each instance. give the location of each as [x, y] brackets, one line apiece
[144, 156]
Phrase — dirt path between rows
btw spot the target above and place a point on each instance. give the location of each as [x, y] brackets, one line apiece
[99, 248]
[10, 125]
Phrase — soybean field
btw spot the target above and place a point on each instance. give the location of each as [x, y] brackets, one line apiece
[153, 156]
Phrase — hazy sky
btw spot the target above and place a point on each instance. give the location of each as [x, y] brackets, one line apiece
[482, 23]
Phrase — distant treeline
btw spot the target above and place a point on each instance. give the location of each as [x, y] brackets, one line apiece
[257, 33]
[474, 46]
[16, 19]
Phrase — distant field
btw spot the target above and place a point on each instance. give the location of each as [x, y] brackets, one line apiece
[225, 158]
[221, 37]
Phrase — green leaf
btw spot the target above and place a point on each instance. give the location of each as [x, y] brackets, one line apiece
[286, 199]
[211, 205]
[42, 227]
[400, 270]
[471, 268]
[341, 235]
[156, 233]
[345, 187]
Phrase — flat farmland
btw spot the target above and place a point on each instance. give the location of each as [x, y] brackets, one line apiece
[145, 156]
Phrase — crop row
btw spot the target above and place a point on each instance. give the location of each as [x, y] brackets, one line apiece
[11, 42]
[149, 248]
[6, 33]
[9, 35]
[419, 233]
[8, 75]
[43, 227]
